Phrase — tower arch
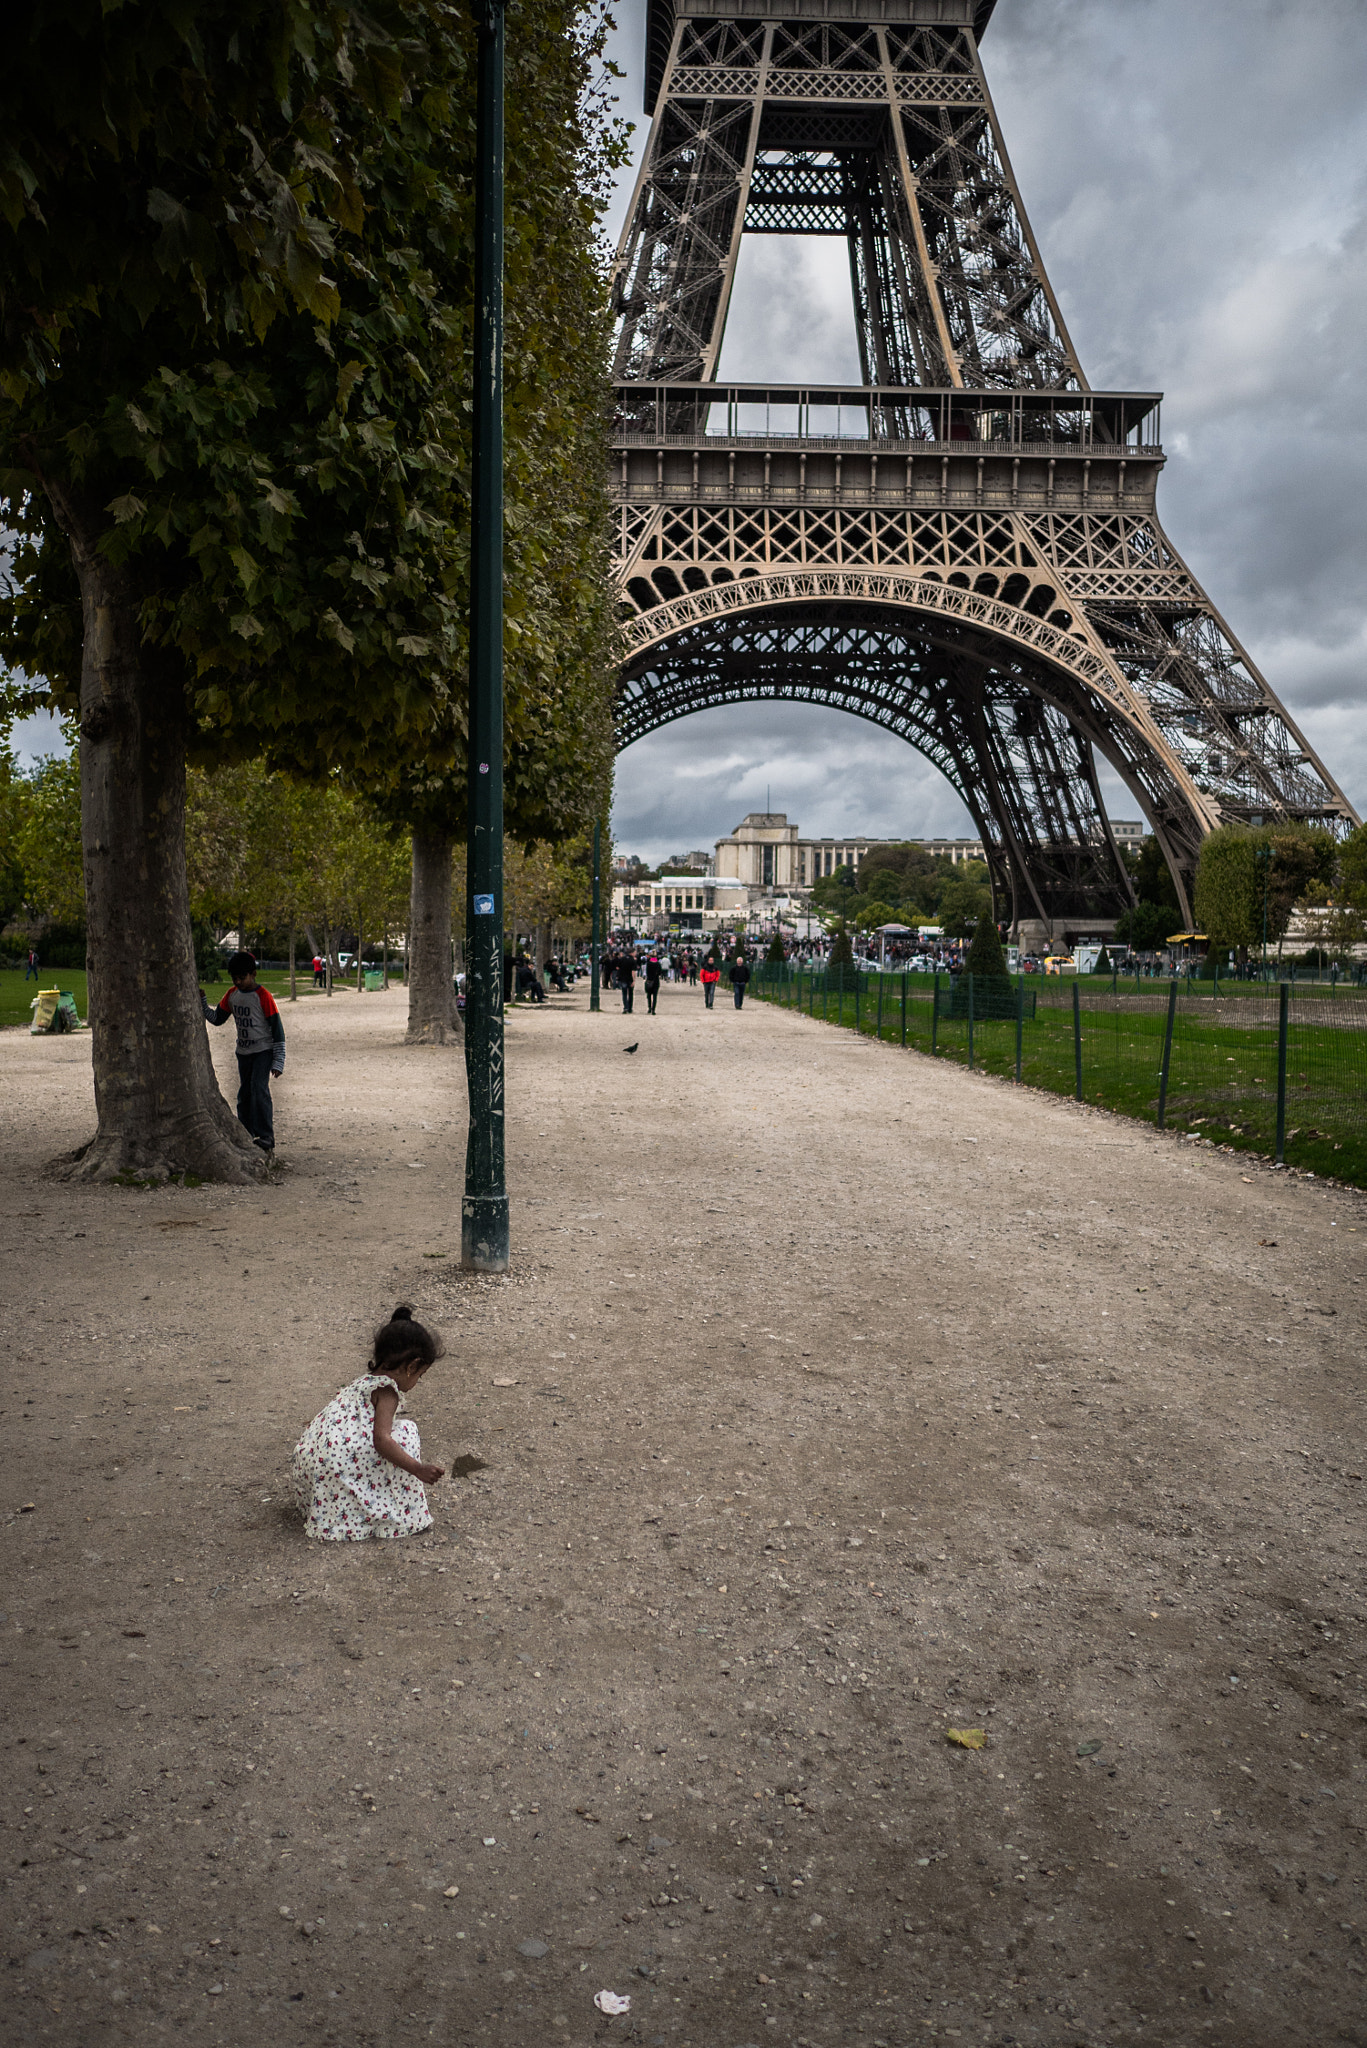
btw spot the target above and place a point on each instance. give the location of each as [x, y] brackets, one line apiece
[972, 510]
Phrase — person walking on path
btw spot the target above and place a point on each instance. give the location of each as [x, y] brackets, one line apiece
[710, 975]
[652, 983]
[31, 964]
[626, 979]
[319, 971]
[260, 1046]
[358, 1472]
[740, 975]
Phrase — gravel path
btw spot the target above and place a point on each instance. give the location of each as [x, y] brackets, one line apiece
[836, 1399]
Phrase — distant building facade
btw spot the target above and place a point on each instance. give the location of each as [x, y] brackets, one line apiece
[683, 903]
[766, 852]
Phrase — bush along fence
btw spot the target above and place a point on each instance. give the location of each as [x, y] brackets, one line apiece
[1280, 1071]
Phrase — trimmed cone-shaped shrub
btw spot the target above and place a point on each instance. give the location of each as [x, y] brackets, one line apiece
[1103, 963]
[775, 955]
[985, 955]
[842, 952]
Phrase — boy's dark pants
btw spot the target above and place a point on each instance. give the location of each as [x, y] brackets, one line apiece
[254, 1095]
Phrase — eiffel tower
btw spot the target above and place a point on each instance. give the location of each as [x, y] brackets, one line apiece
[964, 546]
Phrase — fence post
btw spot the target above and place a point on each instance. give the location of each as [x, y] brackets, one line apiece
[1077, 1041]
[935, 1014]
[904, 1007]
[1020, 1018]
[1167, 1055]
[1283, 1006]
[856, 998]
[879, 1033]
[969, 979]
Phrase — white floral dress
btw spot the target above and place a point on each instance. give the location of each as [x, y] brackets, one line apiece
[345, 1489]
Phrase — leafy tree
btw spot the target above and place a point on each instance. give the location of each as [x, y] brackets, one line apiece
[1153, 881]
[1230, 879]
[1353, 869]
[1146, 927]
[985, 955]
[964, 905]
[832, 893]
[49, 842]
[13, 797]
[874, 914]
[235, 296]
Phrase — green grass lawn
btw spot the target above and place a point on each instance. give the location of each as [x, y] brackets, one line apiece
[1222, 1078]
[278, 982]
[15, 995]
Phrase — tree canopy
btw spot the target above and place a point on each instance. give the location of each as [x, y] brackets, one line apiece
[906, 885]
[236, 286]
[235, 336]
[1240, 865]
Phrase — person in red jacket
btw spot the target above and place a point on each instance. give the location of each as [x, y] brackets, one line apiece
[260, 1046]
[711, 975]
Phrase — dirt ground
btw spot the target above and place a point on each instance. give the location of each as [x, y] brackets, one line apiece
[836, 1399]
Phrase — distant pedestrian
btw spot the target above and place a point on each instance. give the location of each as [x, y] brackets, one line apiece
[320, 974]
[740, 976]
[359, 1472]
[260, 1046]
[31, 964]
[711, 975]
[652, 983]
[626, 979]
[692, 970]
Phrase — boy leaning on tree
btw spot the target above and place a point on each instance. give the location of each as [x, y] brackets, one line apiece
[260, 1046]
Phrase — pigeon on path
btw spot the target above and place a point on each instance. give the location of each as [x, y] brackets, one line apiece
[631, 1048]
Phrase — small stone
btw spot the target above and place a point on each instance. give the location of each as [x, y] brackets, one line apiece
[817, 1920]
[452, 1892]
[534, 1949]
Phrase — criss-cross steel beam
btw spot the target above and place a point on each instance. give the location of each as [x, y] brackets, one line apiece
[972, 511]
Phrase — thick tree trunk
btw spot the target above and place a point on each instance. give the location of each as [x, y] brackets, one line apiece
[157, 1101]
[432, 1015]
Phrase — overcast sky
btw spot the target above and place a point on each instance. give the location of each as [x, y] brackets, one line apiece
[1197, 179]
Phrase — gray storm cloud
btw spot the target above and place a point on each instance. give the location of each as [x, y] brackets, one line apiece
[1197, 179]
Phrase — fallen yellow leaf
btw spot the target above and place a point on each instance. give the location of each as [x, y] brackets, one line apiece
[967, 1738]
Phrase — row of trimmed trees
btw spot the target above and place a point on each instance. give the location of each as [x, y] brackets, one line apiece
[236, 306]
[1250, 880]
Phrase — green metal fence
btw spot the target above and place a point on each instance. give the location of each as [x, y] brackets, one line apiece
[1278, 1070]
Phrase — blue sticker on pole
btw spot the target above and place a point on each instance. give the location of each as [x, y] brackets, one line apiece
[484, 906]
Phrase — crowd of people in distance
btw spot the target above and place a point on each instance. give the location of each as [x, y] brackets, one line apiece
[624, 962]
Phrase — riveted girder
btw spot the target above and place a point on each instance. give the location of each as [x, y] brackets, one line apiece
[965, 547]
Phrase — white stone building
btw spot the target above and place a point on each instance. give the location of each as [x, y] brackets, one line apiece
[766, 852]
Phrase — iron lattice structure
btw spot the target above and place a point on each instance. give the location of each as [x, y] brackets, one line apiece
[964, 547]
